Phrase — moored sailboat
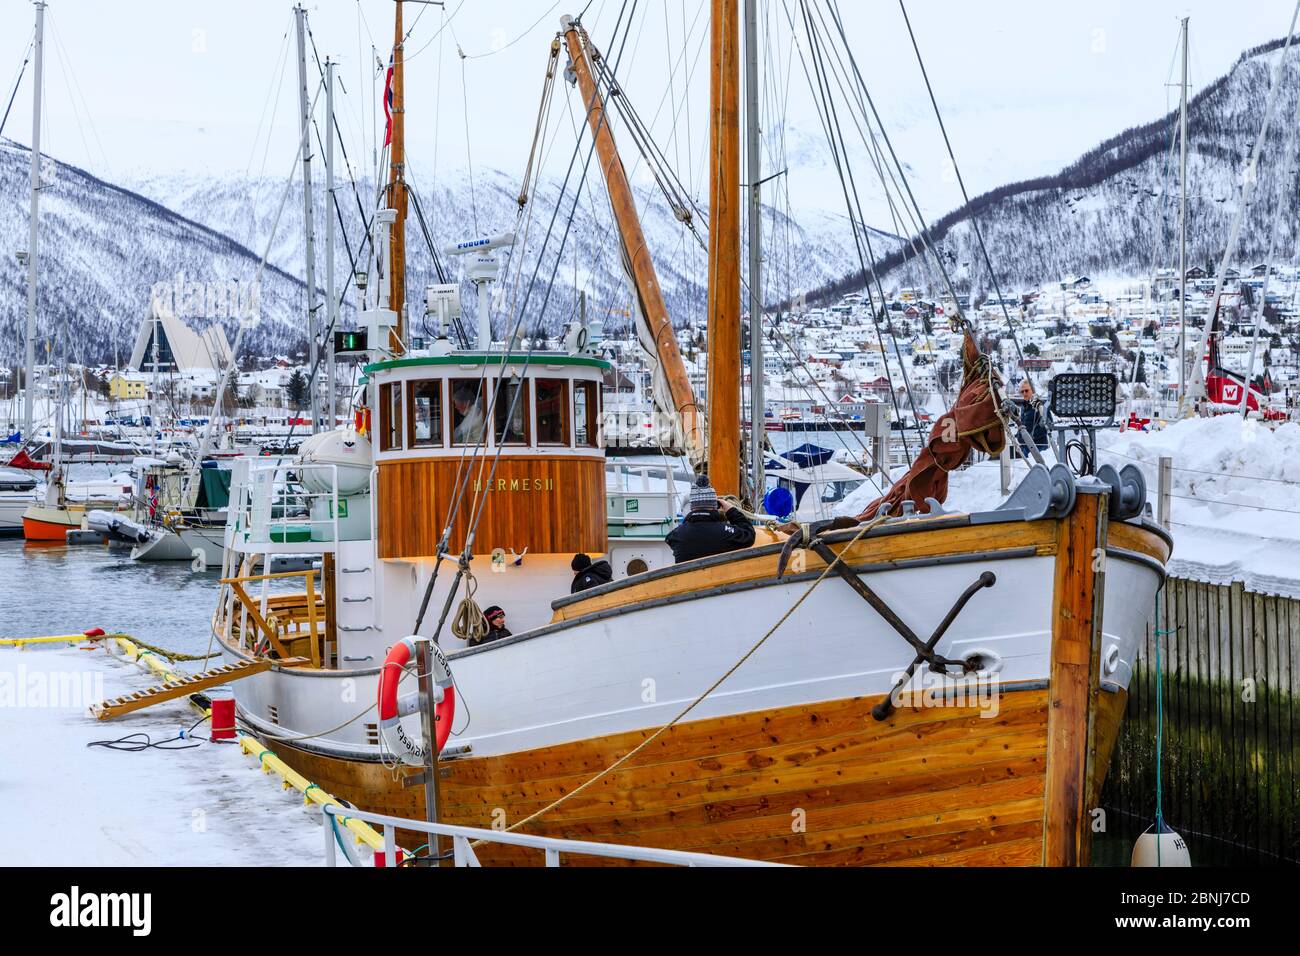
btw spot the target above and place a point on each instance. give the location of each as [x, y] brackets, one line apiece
[916, 686]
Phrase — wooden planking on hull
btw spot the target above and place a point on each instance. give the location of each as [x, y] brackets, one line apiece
[721, 738]
[931, 786]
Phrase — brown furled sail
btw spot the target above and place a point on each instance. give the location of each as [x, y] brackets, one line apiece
[972, 422]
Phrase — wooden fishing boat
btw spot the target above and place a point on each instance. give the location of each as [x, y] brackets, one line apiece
[917, 687]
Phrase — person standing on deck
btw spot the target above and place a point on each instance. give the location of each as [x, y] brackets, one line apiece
[588, 574]
[707, 529]
[1032, 416]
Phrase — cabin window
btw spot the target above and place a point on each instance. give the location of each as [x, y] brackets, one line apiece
[468, 411]
[512, 412]
[390, 417]
[585, 414]
[552, 402]
[426, 415]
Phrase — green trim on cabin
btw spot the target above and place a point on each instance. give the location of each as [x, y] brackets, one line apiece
[484, 359]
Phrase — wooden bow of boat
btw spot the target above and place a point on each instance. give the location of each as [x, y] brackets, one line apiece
[1006, 779]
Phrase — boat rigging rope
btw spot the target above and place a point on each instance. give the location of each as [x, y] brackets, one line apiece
[831, 567]
[1160, 729]
[828, 116]
[469, 624]
[481, 501]
[479, 450]
[17, 82]
[952, 157]
[543, 109]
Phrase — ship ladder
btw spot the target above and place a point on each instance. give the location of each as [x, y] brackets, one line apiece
[185, 687]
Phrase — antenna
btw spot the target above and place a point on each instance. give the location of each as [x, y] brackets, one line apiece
[482, 269]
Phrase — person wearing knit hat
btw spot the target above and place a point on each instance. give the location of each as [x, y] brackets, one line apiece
[703, 497]
[588, 574]
[707, 529]
[496, 622]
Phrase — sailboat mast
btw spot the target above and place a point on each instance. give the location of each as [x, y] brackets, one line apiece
[724, 250]
[397, 200]
[1182, 230]
[331, 212]
[757, 400]
[309, 226]
[33, 236]
[635, 247]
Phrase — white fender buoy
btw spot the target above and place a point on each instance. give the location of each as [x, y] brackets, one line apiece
[1165, 848]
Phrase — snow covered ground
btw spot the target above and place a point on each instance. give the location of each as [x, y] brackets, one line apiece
[1236, 496]
[87, 806]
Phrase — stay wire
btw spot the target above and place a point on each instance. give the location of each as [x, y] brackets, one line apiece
[952, 157]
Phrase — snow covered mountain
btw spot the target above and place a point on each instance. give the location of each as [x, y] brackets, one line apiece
[103, 249]
[810, 248]
[1114, 211]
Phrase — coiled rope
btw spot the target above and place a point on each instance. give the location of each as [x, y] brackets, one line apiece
[469, 624]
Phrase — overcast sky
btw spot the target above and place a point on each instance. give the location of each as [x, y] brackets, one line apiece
[197, 87]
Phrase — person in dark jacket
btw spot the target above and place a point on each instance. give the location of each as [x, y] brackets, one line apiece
[708, 530]
[588, 574]
[496, 621]
[1032, 417]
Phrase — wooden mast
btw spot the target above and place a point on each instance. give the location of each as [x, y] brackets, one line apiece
[397, 200]
[724, 250]
[635, 246]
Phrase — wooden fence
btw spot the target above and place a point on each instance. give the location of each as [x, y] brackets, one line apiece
[1228, 661]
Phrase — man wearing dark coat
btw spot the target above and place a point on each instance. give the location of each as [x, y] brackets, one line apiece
[588, 574]
[707, 529]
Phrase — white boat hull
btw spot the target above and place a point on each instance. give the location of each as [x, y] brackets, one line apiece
[12, 507]
[163, 545]
[635, 668]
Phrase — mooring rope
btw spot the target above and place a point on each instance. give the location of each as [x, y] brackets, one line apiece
[1160, 729]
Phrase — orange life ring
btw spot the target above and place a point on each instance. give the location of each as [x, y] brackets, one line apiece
[391, 711]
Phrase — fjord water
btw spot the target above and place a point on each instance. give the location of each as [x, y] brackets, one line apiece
[56, 589]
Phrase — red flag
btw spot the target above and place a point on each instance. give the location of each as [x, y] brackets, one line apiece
[388, 104]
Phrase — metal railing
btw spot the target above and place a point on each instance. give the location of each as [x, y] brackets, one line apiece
[463, 837]
[633, 500]
[274, 506]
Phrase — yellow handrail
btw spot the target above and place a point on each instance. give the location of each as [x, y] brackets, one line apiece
[95, 634]
[278, 576]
